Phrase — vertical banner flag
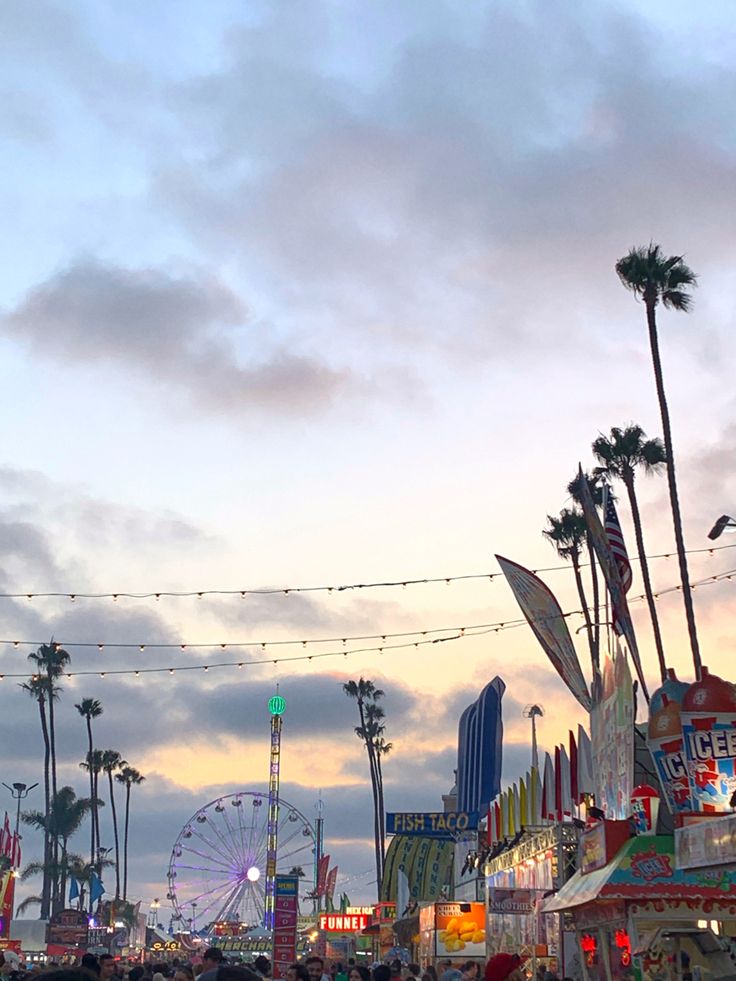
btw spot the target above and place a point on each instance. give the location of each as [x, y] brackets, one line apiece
[322, 867]
[611, 574]
[331, 883]
[618, 548]
[545, 617]
[286, 908]
[612, 731]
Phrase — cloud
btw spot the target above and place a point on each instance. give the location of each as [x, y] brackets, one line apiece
[418, 204]
[184, 330]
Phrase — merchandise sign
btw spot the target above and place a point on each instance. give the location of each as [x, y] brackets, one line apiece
[460, 928]
[286, 909]
[343, 922]
[514, 902]
[433, 824]
[710, 841]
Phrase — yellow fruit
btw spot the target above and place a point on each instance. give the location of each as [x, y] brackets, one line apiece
[459, 945]
[479, 937]
[442, 934]
[467, 925]
[452, 925]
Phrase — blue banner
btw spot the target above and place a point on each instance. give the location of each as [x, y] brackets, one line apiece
[432, 824]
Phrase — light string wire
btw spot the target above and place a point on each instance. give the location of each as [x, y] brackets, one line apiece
[462, 633]
[286, 590]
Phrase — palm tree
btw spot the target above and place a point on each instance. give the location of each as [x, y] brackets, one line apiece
[60, 822]
[596, 492]
[365, 693]
[112, 761]
[655, 278]
[568, 535]
[374, 716]
[620, 454]
[51, 660]
[129, 776]
[90, 708]
[38, 689]
[93, 765]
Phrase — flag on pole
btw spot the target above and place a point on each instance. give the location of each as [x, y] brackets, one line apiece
[7, 837]
[96, 888]
[618, 548]
[73, 889]
[15, 856]
[331, 883]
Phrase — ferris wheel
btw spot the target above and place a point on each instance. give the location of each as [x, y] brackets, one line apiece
[217, 870]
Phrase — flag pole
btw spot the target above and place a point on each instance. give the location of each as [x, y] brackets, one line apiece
[604, 499]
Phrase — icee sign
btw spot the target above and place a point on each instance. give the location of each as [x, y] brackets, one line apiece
[432, 824]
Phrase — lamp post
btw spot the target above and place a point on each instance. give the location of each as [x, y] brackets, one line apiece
[724, 523]
[153, 913]
[19, 791]
[534, 712]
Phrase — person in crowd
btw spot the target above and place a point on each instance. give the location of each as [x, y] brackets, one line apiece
[183, 973]
[414, 972]
[90, 963]
[262, 966]
[471, 971]
[137, 971]
[432, 972]
[236, 972]
[316, 969]
[298, 972]
[505, 967]
[340, 973]
[449, 972]
[211, 961]
[395, 967]
[359, 973]
[107, 967]
[381, 972]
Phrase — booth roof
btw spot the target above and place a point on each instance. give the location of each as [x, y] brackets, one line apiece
[643, 869]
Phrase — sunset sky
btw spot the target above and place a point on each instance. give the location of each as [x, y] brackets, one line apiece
[320, 294]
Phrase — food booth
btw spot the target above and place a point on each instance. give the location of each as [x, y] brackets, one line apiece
[452, 931]
[639, 915]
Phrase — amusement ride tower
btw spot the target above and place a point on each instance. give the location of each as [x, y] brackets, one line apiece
[276, 706]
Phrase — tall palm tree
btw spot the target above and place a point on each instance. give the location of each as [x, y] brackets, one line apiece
[51, 660]
[656, 278]
[567, 534]
[112, 761]
[129, 776]
[365, 693]
[596, 492]
[90, 708]
[93, 765]
[620, 454]
[375, 729]
[37, 687]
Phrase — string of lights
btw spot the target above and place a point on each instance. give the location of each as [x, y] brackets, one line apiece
[460, 634]
[74, 595]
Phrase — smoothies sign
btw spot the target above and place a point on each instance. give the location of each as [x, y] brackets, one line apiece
[460, 929]
[286, 908]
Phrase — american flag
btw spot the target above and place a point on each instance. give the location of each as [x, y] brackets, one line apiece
[618, 548]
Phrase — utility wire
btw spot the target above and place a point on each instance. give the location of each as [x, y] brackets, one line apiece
[287, 590]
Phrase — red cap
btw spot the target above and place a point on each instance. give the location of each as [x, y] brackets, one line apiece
[500, 966]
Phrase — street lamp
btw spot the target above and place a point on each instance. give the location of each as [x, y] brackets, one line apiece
[534, 712]
[725, 523]
[19, 791]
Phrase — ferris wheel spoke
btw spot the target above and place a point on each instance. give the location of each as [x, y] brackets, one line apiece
[241, 834]
[225, 905]
[210, 892]
[210, 844]
[290, 854]
[258, 895]
[287, 839]
[207, 858]
[230, 828]
[199, 868]
[227, 843]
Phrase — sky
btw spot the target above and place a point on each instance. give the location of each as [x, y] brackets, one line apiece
[323, 294]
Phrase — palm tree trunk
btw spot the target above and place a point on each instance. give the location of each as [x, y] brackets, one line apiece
[115, 834]
[125, 842]
[374, 789]
[98, 839]
[381, 810]
[586, 613]
[64, 870]
[47, 853]
[645, 575]
[52, 750]
[596, 601]
[92, 794]
[672, 482]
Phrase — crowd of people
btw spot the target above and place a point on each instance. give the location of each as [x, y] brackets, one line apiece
[215, 967]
